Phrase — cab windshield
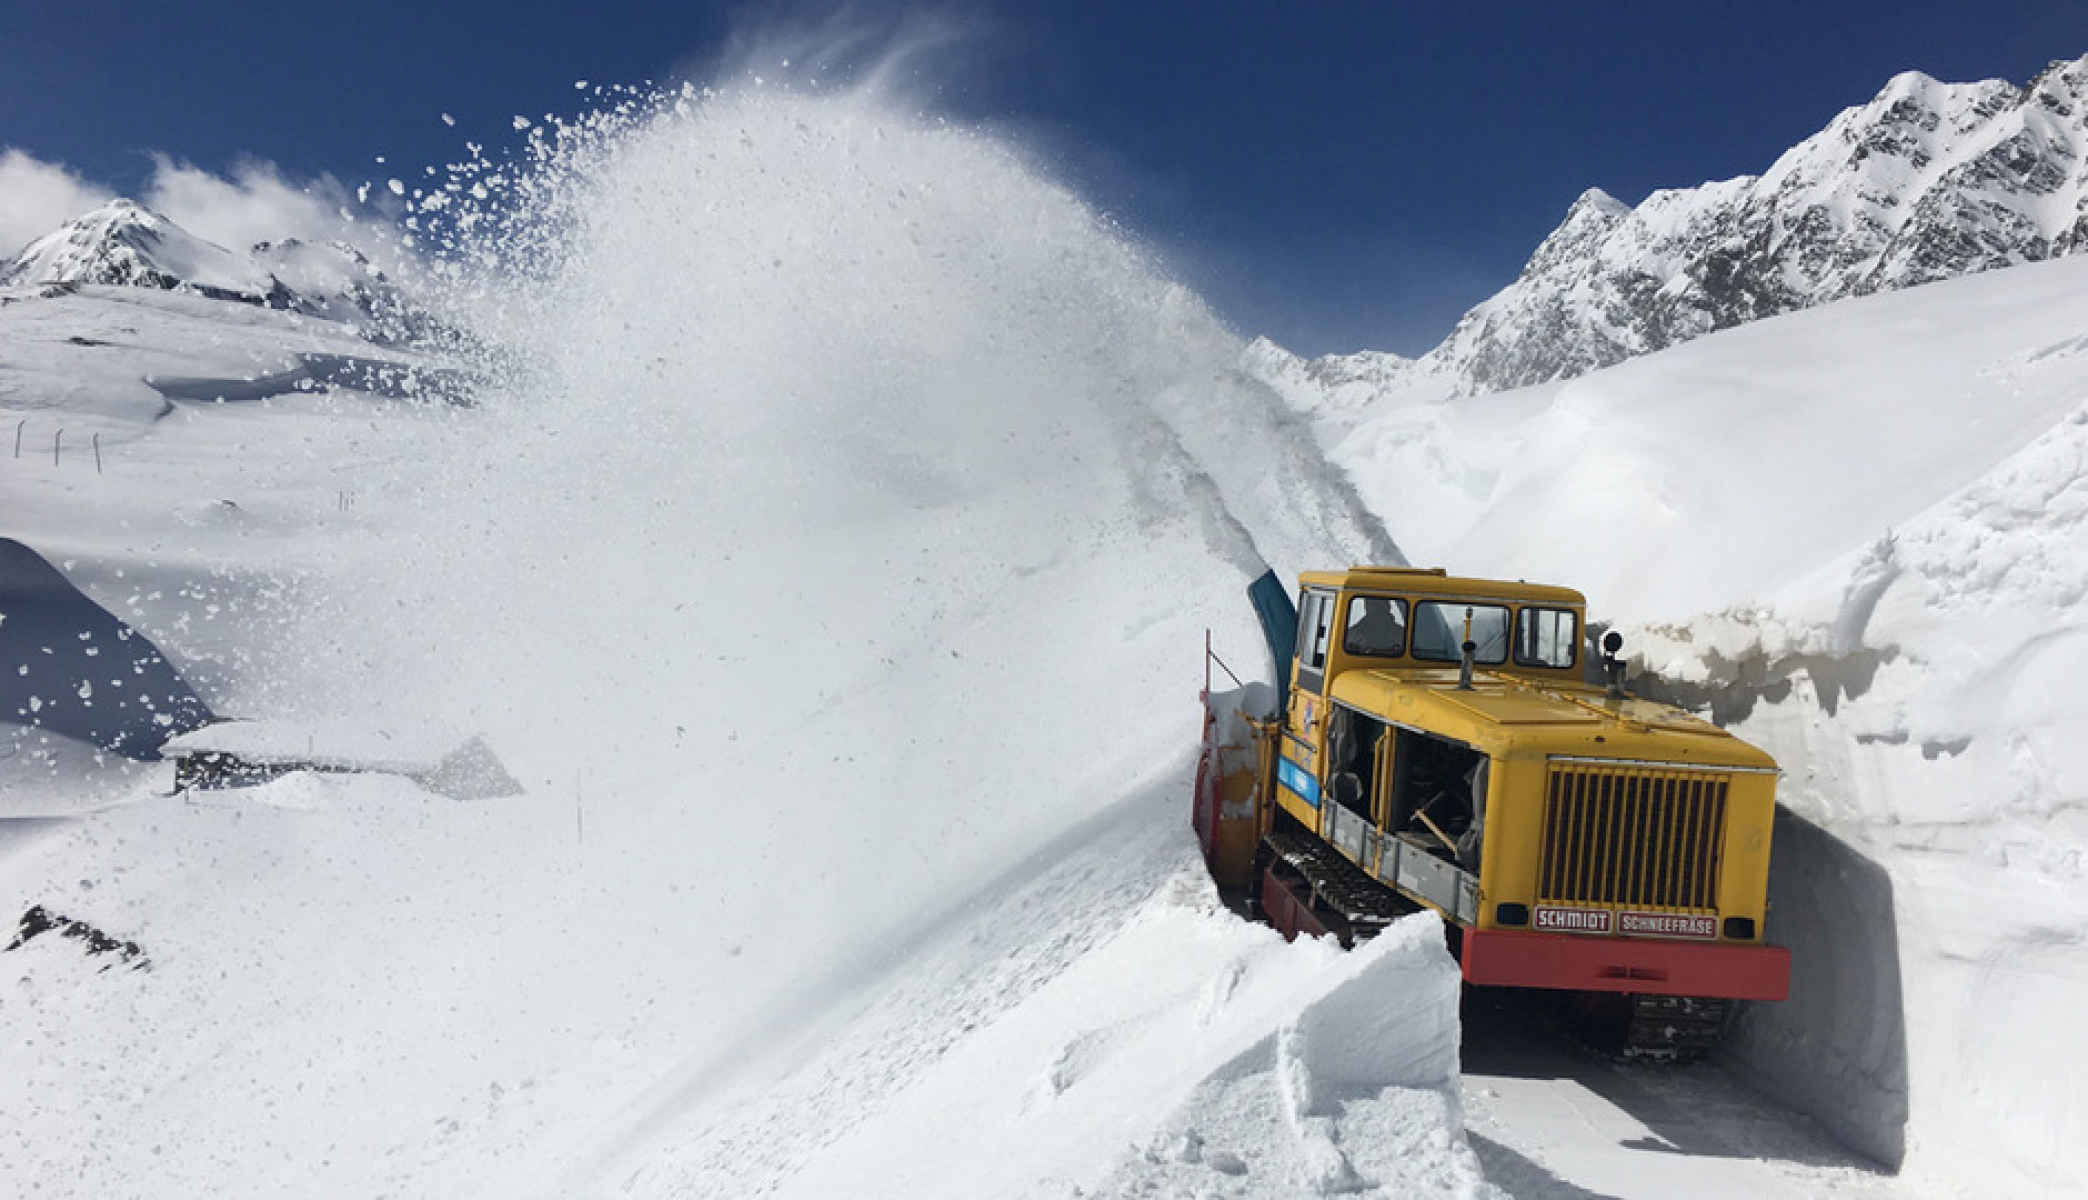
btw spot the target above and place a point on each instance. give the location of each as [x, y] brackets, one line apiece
[1441, 628]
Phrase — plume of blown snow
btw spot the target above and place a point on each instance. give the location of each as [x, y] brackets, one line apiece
[820, 422]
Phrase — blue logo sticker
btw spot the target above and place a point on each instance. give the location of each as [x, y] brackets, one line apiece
[1298, 780]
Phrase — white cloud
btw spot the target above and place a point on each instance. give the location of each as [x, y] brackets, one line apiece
[255, 205]
[37, 197]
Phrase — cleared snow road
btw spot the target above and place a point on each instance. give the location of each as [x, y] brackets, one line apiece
[1551, 1118]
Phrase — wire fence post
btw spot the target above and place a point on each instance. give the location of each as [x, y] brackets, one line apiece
[97, 453]
[19, 426]
[57, 444]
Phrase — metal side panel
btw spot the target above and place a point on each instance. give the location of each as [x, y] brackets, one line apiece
[1443, 884]
[1352, 835]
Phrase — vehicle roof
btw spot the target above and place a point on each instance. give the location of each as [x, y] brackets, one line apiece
[1434, 581]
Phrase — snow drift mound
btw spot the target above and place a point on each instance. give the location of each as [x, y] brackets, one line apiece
[1354, 1094]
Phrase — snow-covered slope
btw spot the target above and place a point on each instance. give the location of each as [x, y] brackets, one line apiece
[1908, 396]
[1927, 181]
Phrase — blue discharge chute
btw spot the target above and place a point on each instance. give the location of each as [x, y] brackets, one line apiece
[1279, 622]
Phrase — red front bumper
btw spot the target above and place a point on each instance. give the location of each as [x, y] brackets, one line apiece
[1572, 962]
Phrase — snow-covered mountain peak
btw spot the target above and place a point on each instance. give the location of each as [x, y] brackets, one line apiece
[339, 282]
[1925, 181]
[125, 244]
[1592, 216]
[2059, 88]
[1599, 203]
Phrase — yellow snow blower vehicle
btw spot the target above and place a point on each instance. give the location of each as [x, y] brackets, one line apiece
[1433, 742]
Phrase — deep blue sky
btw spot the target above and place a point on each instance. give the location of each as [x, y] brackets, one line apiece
[1334, 174]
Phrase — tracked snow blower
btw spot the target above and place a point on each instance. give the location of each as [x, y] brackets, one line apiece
[1432, 743]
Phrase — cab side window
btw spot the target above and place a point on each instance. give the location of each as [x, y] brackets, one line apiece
[1315, 624]
[1545, 637]
[1376, 627]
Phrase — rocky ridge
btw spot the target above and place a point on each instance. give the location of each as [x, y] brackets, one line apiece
[1927, 181]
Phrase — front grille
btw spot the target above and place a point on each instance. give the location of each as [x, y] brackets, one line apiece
[1632, 836]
